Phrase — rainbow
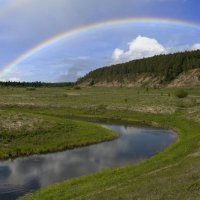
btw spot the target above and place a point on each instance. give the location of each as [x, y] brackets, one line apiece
[85, 28]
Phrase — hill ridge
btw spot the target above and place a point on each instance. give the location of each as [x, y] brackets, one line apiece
[156, 71]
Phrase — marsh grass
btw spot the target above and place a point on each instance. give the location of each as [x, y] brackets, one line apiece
[45, 120]
[25, 134]
[171, 174]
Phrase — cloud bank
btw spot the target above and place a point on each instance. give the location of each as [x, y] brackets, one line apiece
[195, 46]
[140, 47]
[143, 47]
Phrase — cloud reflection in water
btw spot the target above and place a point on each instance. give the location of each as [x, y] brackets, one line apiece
[23, 175]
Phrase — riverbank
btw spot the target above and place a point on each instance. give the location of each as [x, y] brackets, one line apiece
[171, 174]
[28, 174]
[25, 134]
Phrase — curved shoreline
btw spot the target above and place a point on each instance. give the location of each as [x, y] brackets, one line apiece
[79, 182]
[174, 156]
[107, 155]
[63, 135]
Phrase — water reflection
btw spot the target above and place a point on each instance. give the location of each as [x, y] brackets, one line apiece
[24, 175]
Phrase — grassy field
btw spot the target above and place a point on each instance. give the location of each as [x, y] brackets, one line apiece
[24, 134]
[171, 174]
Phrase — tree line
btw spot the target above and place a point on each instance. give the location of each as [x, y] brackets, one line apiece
[36, 84]
[167, 66]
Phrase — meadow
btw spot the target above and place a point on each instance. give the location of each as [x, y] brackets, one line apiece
[53, 119]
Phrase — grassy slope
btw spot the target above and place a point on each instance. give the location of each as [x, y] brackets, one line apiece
[172, 174]
[25, 134]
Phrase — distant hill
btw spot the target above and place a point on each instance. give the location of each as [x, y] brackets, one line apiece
[175, 70]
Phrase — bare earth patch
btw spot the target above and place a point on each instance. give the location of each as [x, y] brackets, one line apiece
[187, 79]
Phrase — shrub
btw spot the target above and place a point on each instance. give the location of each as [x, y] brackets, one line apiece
[181, 93]
[77, 88]
[91, 83]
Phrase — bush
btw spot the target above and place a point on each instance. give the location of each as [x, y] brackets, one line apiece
[77, 88]
[181, 93]
[65, 95]
[91, 83]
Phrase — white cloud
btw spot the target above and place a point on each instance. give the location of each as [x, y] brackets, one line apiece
[195, 46]
[117, 54]
[140, 47]
[14, 79]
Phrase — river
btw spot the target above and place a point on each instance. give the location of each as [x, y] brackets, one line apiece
[23, 175]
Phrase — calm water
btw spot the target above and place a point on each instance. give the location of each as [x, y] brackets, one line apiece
[24, 175]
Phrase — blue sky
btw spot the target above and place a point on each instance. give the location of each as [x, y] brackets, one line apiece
[26, 23]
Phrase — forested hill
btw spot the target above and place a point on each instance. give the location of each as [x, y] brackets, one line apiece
[161, 69]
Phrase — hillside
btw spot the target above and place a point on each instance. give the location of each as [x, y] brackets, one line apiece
[172, 70]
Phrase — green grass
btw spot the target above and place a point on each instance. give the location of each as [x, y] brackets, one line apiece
[25, 134]
[171, 174]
